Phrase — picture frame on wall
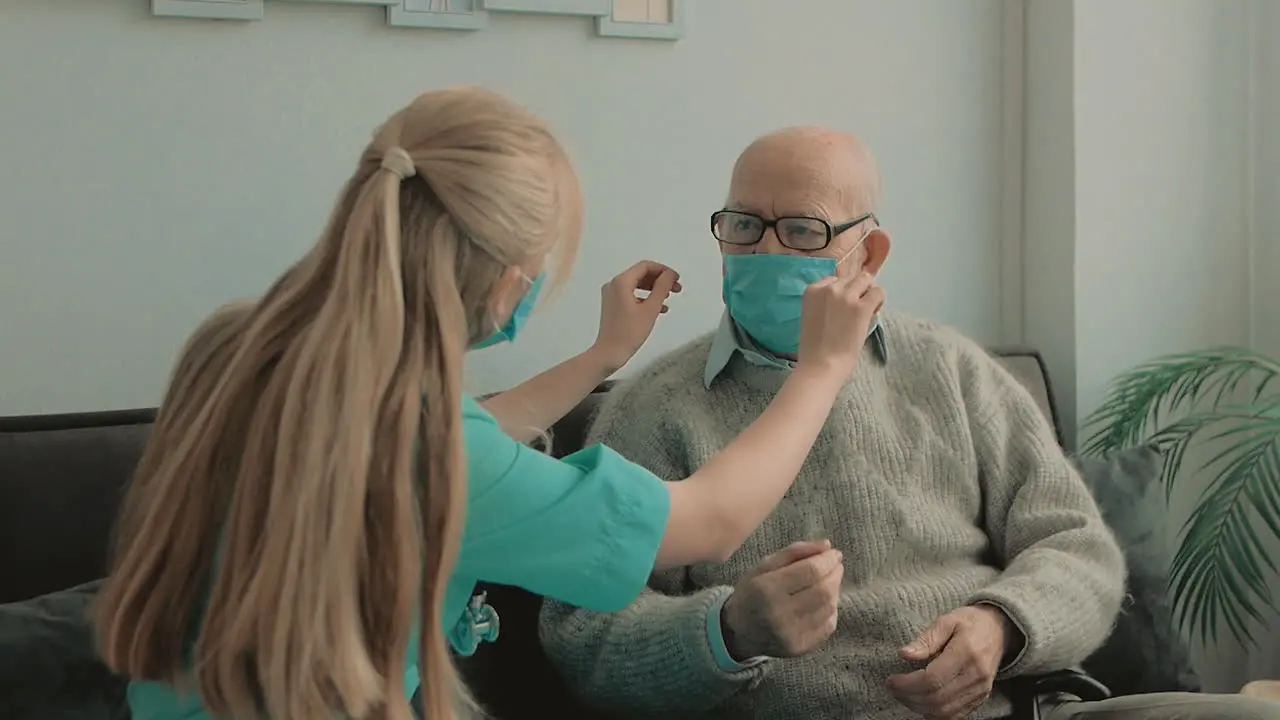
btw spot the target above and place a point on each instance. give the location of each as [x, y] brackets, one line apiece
[641, 19]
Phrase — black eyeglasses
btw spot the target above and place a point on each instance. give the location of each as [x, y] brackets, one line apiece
[733, 227]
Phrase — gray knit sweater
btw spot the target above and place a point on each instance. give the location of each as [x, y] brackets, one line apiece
[936, 475]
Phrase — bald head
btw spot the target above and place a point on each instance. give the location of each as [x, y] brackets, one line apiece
[807, 171]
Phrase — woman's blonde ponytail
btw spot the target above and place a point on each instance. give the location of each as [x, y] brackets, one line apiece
[300, 504]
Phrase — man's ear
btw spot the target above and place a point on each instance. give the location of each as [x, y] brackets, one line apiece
[875, 250]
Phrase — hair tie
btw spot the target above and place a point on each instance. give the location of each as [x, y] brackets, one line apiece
[397, 161]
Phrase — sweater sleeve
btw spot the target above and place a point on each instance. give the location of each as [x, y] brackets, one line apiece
[1063, 578]
[655, 658]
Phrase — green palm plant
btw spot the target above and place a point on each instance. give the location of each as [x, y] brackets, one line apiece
[1223, 398]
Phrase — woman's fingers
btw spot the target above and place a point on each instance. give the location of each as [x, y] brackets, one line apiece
[644, 270]
[644, 274]
[661, 288]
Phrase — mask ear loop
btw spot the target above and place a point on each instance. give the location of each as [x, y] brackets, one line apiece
[528, 286]
[856, 245]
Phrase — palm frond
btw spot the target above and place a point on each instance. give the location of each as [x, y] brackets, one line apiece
[1229, 422]
[1222, 566]
[1140, 398]
[1221, 397]
[1172, 441]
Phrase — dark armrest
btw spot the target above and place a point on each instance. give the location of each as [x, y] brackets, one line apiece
[1026, 693]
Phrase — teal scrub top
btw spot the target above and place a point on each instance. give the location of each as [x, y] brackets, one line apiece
[584, 529]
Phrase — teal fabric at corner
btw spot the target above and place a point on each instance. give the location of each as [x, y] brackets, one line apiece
[584, 530]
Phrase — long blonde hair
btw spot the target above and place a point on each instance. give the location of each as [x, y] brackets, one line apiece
[301, 500]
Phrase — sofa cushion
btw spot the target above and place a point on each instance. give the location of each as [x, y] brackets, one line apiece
[1145, 652]
[48, 667]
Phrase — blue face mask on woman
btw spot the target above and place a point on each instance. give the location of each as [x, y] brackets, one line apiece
[765, 294]
[520, 315]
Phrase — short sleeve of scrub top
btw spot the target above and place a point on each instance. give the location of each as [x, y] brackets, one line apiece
[583, 529]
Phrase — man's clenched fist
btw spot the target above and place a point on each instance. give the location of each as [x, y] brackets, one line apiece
[787, 604]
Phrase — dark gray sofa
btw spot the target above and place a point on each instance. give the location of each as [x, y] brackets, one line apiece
[61, 479]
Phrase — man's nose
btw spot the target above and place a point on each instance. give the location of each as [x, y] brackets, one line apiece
[770, 244]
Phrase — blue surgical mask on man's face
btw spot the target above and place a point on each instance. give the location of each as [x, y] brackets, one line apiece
[764, 294]
[520, 315]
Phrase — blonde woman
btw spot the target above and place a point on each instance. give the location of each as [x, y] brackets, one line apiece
[319, 497]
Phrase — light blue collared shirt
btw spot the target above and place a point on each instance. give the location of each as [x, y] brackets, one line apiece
[730, 339]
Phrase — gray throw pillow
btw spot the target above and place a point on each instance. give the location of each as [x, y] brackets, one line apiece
[49, 669]
[1145, 652]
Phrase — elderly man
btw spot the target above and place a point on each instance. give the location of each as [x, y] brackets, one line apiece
[936, 542]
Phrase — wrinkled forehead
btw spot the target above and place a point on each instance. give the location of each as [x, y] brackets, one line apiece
[775, 182]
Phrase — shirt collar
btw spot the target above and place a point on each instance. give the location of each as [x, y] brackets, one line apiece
[730, 339]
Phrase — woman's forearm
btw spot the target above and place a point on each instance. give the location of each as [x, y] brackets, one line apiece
[528, 409]
[716, 509]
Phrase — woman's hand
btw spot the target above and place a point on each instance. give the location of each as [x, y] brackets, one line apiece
[836, 320]
[627, 320]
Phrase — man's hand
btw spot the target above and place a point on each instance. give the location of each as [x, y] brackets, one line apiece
[964, 649]
[787, 604]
